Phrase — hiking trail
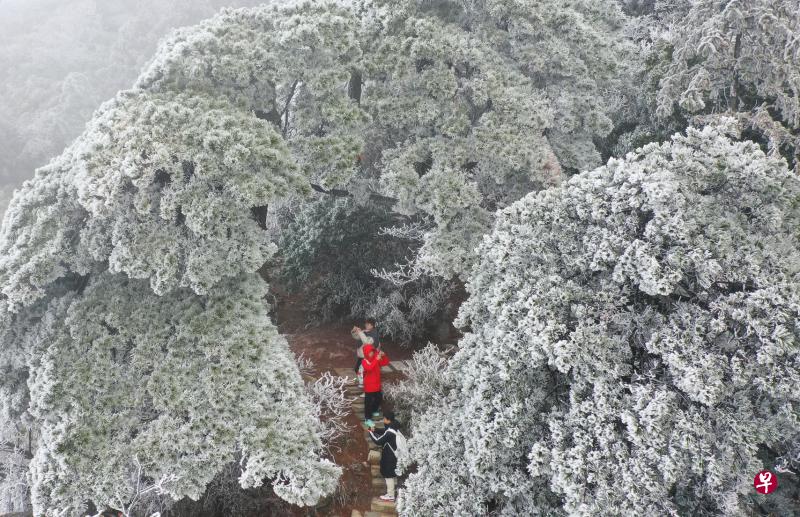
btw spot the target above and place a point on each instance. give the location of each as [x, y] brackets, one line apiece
[331, 349]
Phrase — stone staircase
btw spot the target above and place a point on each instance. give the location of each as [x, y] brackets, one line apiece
[378, 508]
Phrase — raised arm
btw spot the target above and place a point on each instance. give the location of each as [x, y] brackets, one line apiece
[380, 439]
[365, 339]
[370, 364]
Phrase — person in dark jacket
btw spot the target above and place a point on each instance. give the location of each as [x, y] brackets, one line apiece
[386, 438]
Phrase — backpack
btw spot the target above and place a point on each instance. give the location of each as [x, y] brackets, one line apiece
[402, 448]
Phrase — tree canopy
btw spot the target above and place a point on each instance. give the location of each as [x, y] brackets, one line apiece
[127, 272]
[631, 343]
[631, 325]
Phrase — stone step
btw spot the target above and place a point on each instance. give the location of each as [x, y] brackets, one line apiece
[375, 470]
[379, 514]
[383, 506]
[370, 513]
[379, 482]
[374, 457]
[400, 365]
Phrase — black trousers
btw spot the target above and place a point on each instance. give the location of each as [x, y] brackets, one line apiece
[372, 403]
[358, 364]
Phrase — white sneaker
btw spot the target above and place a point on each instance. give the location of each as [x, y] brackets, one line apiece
[386, 497]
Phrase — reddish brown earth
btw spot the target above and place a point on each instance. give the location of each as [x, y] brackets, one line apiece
[330, 346]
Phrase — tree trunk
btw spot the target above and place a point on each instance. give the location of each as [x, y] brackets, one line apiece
[354, 86]
[260, 215]
[271, 116]
[737, 51]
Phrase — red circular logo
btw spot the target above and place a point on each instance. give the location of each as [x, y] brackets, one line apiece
[765, 482]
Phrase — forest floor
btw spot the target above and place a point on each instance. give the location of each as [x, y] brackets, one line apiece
[330, 347]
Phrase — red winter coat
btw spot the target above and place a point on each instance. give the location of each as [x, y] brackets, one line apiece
[372, 369]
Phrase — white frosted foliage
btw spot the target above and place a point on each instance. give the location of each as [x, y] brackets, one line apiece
[484, 102]
[632, 343]
[136, 342]
[736, 56]
[171, 381]
[160, 186]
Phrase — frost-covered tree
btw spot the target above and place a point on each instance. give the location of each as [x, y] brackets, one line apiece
[732, 57]
[440, 112]
[449, 109]
[290, 67]
[60, 60]
[169, 381]
[728, 54]
[648, 28]
[329, 249]
[484, 102]
[159, 187]
[425, 381]
[134, 329]
[632, 345]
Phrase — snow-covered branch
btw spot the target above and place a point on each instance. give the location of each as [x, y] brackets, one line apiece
[328, 395]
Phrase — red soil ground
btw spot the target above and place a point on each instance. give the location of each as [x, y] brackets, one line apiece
[330, 346]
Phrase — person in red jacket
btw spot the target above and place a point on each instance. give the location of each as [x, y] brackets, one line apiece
[372, 363]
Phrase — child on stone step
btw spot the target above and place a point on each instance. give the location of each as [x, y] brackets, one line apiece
[387, 440]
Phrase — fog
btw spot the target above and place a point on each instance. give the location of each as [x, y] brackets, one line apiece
[60, 59]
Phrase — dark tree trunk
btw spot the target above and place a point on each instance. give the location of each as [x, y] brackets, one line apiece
[737, 51]
[354, 86]
[260, 215]
[272, 116]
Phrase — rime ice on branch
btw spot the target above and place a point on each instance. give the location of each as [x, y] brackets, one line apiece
[632, 344]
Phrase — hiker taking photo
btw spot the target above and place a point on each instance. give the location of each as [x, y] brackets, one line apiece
[393, 444]
[367, 336]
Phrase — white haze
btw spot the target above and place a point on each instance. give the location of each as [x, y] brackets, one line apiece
[60, 59]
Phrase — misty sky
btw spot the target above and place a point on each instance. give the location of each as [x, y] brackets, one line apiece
[60, 59]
